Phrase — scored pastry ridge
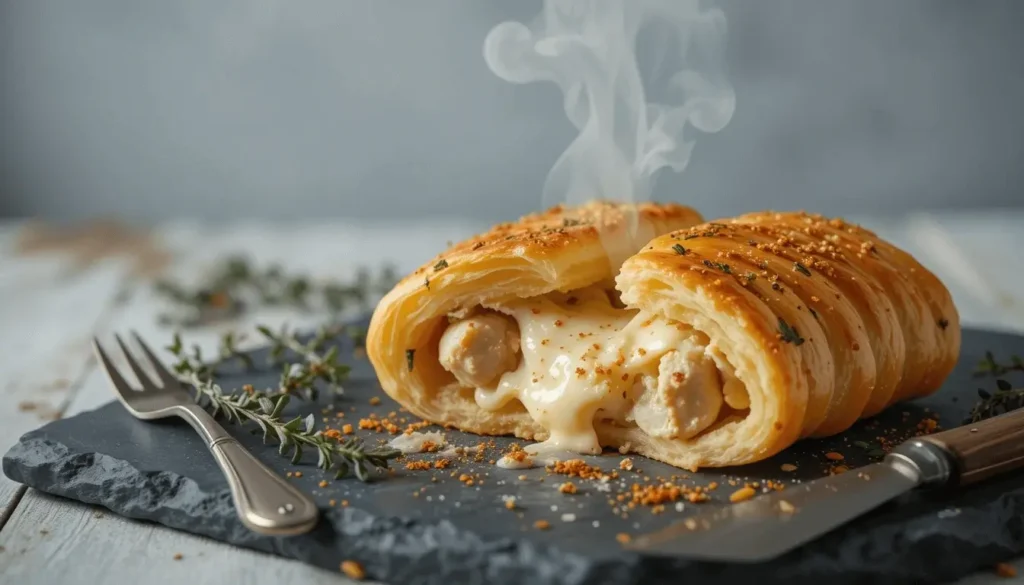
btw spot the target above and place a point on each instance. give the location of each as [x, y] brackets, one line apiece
[749, 333]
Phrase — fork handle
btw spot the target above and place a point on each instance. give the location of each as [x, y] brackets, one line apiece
[265, 502]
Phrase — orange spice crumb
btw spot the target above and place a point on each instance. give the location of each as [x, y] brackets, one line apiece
[332, 503]
[510, 504]
[298, 474]
[840, 469]
[323, 483]
[788, 467]
[418, 465]
[742, 494]
[353, 570]
[374, 400]
[626, 464]
[580, 372]
[542, 525]
[442, 463]
[834, 456]
[344, 503]
[558, 322]
[567, 488]
[623, 538]
[347, 429]
[579, 468]
[332, 434]
[178, 556]
[1006, 570]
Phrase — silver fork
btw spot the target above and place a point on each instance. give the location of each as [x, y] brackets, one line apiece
[265, 502]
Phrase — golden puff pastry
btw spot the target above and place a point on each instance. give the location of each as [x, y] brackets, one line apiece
[454, 313]
[724, 343]
[820, 321]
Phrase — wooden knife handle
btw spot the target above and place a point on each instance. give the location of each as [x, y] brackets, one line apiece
[984, 449]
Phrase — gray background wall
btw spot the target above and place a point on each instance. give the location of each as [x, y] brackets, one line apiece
[158, 108]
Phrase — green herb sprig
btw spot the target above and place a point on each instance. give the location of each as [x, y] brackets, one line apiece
[342, 455]
[1003, 400]
[989, 366]
[1005, 397]
[236, 285]
[316, 364]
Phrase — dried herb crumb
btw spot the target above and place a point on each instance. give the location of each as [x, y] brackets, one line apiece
[789, 334]
[410, 356]
[801, 269]
[441, 265]
[679, 249]
[943, 323]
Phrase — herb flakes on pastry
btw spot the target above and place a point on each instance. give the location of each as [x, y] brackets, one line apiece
[709, 345]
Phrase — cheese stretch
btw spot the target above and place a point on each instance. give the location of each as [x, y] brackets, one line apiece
[573, 358]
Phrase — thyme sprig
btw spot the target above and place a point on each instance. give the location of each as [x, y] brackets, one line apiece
[342, 454]
[316, 364]
[989, 366]
[1005, 398]
[236, 284]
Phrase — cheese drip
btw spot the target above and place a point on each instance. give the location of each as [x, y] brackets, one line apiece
[584, 359]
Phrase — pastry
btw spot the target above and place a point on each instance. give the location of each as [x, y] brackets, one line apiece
[711, 345]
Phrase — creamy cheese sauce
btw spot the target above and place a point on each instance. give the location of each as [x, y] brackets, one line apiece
[584, 359]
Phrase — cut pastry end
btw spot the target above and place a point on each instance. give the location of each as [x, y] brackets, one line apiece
[580, 359]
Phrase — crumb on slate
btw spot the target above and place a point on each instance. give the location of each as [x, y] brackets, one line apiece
[353, 570]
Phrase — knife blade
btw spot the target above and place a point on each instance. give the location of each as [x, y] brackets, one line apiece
[770, 525]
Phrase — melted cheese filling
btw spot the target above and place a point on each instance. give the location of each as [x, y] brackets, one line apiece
[581, 359]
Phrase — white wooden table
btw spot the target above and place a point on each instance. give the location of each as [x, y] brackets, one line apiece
[51, 305]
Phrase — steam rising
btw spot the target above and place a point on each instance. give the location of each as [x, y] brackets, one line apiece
[589, 48]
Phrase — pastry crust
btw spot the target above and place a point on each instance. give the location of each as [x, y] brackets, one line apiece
[822, 322]
[561, 249]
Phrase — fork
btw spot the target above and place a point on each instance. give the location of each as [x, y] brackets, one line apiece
[265, 502]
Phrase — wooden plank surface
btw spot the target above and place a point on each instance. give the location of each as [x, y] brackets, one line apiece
[47, 312]
[52, 540]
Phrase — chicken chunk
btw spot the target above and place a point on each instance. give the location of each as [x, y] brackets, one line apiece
[479, 349]
[684, 399]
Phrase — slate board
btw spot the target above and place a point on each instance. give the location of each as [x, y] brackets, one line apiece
[451, 533]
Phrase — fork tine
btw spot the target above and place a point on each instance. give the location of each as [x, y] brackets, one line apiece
[119, 383]
[165, 375]
[144, 379]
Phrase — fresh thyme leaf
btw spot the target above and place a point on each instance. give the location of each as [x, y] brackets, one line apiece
[679, 249]
[410, 357]
[801, 269]
[441, 265]
[789, 333]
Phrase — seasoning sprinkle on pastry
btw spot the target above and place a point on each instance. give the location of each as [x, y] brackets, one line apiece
[709, 345]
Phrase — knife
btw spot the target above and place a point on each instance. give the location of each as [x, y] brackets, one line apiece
[767, 526]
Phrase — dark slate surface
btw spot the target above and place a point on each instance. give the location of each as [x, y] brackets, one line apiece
[451, 533]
